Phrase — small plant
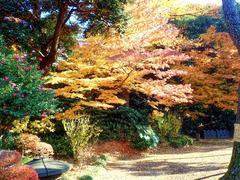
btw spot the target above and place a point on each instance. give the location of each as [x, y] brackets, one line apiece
[8, 158]
[27, 142]
[86, 177]
[167, 126]
[101, 161]
[8, 141]
[26, 159]
[129, 124]
[11, 168]
[25, 125]
[80, 133]
[22, 172]
[146, 138]
[31, 145]
[60, 144]
[181, 141]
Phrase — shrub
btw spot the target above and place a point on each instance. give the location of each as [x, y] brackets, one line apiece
[125, 123]
[167, 126]
[18, 173]
[61, 144]
[8, 158]
[146, 138]
[119, 123]
[21, 87]
[80, 133]
[7, 141]
[25, 125]
[181, 141]
[27, 142]
[101, 161]
[86, 177]
[11, 169]
[32, 146]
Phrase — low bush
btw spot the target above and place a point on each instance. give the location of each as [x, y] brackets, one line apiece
[125, 123]
[22, 172]
[8, 158]
[146, 138]
[11, 168]
[80, 132]
[61, 144]
[181, 141]
[101, 161]
[37, 127]
[31, 145]
[167, 126]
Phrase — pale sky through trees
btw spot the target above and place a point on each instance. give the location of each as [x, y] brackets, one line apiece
[218, 2]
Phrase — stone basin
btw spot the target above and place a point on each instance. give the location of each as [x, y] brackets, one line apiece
[49, 168]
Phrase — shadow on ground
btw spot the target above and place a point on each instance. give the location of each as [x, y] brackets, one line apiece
[157, 168]
[208, 158]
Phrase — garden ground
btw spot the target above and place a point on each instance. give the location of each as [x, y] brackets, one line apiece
[207, 159]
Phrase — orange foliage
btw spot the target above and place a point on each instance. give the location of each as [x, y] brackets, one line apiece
[104, 69]
[213, 72]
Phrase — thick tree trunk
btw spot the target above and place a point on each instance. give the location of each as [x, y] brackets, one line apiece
[232, 20]
[233, 172]
[51, 57]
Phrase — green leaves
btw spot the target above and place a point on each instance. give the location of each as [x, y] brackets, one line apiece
[21, 88]
[147, 137]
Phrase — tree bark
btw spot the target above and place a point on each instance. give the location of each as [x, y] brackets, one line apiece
[51, 57]
[232, 20]
[36, 10]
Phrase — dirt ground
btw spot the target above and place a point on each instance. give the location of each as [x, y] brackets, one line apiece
[205, 160]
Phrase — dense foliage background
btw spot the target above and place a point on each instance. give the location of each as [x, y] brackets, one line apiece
[75, 73]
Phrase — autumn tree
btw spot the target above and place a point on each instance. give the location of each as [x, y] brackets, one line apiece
[215, 59]
[105, 69]
[43, 26]
[232, 19]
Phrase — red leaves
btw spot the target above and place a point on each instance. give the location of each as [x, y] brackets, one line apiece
[8, 158]
[16, 57]
[18, 173]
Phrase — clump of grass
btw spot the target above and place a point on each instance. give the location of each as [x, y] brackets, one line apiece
[26, 159]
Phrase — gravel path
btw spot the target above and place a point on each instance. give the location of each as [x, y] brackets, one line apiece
[207, 160]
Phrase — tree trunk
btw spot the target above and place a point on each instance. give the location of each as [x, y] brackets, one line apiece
[36, 10]
[232, 20]
[51, 57]
[234, 166]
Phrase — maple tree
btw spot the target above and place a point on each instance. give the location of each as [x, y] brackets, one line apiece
[213, 70]
[105, 69]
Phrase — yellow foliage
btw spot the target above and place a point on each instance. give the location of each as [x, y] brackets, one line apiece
[105, 69]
